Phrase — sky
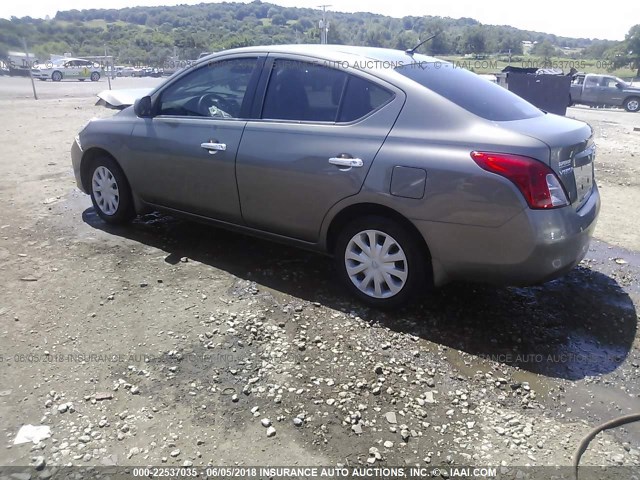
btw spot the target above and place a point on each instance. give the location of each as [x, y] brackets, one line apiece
[569, 19]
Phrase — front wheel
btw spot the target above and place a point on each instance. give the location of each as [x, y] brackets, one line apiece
[380, 261]
[632, 104]
[95, 76]
[110, 191]
[56, 76]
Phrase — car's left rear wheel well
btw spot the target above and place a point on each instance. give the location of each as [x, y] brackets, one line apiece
[352, 212]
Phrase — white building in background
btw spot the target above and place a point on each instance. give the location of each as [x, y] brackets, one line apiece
[18, 60]
[527, 46]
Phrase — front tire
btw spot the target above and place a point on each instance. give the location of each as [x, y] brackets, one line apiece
[110, 191]
[380, 261]
[56, 76]
[95, 76]
[632, 104]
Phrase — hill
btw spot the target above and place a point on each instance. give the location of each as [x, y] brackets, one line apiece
[149, 35]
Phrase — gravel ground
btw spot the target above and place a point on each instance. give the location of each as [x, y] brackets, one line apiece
[172, 343]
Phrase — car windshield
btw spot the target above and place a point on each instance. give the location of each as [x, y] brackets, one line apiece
[469, 91]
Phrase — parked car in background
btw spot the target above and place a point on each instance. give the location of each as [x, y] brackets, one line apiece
[604, 91]
[131, 72]
[68, 69]
[151, 72]
[406, 169]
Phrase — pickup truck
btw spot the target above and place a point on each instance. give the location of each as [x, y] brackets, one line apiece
[604, 91]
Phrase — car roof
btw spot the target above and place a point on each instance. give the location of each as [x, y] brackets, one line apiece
[334, 53]
[68, 59]
[381, 62]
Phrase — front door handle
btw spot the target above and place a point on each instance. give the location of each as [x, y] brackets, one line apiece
[214, 147]
[346, 162]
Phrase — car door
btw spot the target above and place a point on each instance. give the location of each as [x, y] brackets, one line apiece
[72, 70]
[317, 132]
[610, 93]
[183, 157]
[591, 90]
[85, 68]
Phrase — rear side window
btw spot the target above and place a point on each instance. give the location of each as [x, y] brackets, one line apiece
[302, 91]
[471, 92]
[592, 82]
[360, 98]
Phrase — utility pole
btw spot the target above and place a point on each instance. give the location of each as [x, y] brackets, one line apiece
[111, 71]
[30, 66]
[324, 25]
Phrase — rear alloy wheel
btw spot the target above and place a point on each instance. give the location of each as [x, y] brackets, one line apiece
[110, 192]
[56, 76]
[380, 262]
[632, 104]
[95, 76]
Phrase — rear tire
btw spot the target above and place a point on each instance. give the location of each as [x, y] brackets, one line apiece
[632, 104]
[110, 191]
[388, 270]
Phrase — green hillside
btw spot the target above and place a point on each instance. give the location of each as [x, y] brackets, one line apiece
[150, 35]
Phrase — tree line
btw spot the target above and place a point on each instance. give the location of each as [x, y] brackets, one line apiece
[151, 35]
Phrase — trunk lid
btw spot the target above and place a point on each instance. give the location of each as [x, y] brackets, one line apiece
[571, 151]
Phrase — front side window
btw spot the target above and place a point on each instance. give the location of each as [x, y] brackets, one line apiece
[612, 82]
[302, 91]
[214, 90]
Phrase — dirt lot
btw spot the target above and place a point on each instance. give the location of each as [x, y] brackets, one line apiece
[168, 342]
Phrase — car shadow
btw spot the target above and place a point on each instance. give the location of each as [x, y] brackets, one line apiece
[583, 324]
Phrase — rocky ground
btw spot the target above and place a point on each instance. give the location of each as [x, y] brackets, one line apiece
[172, 343]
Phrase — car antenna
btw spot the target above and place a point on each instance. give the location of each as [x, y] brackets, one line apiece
[411, 51]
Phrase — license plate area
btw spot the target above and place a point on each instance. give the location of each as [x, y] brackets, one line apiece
[583, 174]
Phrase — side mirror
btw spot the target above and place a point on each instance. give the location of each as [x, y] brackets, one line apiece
[142, 107]
[619, 86]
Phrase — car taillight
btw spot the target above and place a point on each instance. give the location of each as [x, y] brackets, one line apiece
[539, 185]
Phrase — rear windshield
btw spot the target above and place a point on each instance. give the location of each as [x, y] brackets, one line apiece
[473, 93]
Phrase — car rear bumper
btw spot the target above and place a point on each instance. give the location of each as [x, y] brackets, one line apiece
[533, 247]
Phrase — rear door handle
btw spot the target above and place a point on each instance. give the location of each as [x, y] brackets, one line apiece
[214, 147]
[346, 162]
